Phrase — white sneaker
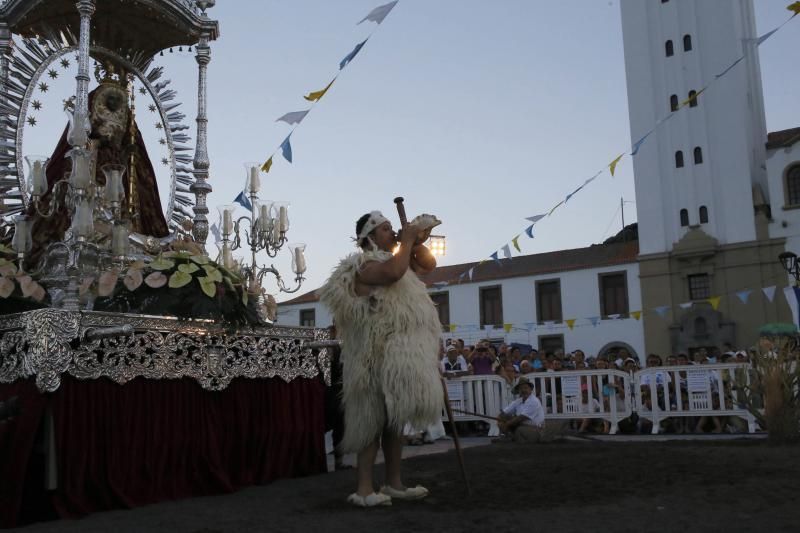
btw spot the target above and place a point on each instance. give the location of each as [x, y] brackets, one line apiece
[372, 500]
[411, 493]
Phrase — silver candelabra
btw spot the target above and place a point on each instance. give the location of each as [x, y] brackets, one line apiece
[265, 230]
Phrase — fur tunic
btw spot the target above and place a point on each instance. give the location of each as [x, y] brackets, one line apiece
[390, 343]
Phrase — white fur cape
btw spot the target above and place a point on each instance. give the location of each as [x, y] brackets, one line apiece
[390, 343]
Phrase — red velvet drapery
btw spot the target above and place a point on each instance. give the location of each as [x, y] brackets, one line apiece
[153, 440]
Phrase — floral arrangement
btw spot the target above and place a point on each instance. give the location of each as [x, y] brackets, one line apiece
[175, 283]
[178, 283]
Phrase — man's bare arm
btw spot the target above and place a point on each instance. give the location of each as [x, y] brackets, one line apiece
[388, 272]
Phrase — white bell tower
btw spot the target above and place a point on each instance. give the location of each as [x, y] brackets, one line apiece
[700, 167]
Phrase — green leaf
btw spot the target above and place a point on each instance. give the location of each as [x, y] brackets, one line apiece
[162, 264]
[212, 272]
[178, 279]
[6, 250]
[200, 259]
[229, 283]
[188, 268]
[208, 286]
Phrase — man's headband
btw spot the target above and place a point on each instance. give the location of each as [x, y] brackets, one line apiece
[375, 219]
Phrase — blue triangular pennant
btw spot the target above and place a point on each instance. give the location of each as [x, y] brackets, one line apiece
[286, 148]
[244, 201]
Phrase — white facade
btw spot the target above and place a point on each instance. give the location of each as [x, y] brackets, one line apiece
[580, 299]
[728, 125]
[785, 216]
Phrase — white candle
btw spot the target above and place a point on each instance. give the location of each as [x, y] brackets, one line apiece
[284, 219]
[114, 186]
[255, 183]
[21, 239]
[80, 169]
[299, 260]
[78, 135]
[227, 258]
[84, 223]
[227, 221]
[264, 218]
[39, 179]
[119, 240]
[276, 233]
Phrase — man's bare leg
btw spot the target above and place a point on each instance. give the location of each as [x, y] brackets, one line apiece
[392, 454]
[365, 462]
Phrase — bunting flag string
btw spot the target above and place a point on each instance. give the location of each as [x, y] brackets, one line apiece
[791, 293]
[295, 118]
[614, 164]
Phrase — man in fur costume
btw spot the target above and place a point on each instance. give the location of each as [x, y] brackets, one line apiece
[390, 336]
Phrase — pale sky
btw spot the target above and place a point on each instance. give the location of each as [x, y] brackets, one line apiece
[481, 112]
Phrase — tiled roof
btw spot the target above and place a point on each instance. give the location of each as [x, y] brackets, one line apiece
[597, 255]
[783, 138]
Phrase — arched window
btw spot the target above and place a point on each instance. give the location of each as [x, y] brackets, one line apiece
[698, 155]
[678, 159]
[673, 102]
[684, 217]
[793, 185]
[700, 327]
[687, 43]
[692, 98]
[669, 48]
[703, 214]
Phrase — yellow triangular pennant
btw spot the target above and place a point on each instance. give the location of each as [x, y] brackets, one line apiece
[570, 322]
[794, 8]
[266, 166]
[693, 97]
[613, 165]
[636, 314]
[515, 243]
[507, 327]
[316, 95]
[453, 327]
[714, 301]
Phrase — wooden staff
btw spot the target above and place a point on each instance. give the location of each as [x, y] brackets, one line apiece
[459, 453]
[471, 413]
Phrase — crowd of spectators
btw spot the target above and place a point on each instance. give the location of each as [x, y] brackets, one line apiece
[512, 361]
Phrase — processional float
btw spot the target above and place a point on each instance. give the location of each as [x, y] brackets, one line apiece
[96, 280]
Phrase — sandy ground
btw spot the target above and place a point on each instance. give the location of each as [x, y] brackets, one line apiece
[579, 485]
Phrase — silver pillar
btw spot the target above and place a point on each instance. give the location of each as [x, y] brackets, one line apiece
[86, 10]
[200, 187]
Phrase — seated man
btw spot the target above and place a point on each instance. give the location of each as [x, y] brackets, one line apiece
[453, 364]
[523, 419]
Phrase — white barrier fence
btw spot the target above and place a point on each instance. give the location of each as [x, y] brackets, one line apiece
[611, 395]
[692, 391]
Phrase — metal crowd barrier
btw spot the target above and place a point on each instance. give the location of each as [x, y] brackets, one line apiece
[612, 395]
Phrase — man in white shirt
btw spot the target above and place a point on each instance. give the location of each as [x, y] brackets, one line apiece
[523, 419]
[453, 364]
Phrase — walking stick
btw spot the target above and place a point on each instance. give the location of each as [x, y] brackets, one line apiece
[472, 413]
[459, 454]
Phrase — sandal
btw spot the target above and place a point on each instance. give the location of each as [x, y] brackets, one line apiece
[373, 500]
[410, 493]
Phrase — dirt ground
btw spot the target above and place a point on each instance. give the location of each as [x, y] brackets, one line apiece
[572, 486]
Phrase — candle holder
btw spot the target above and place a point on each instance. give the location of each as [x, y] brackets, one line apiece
[263, 230]
[114, 192]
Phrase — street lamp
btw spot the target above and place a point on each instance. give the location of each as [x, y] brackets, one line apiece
[791, 265]
[436, 244]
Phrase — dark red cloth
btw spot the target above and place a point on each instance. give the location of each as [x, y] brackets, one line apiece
[154, 440]
[17, 437]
